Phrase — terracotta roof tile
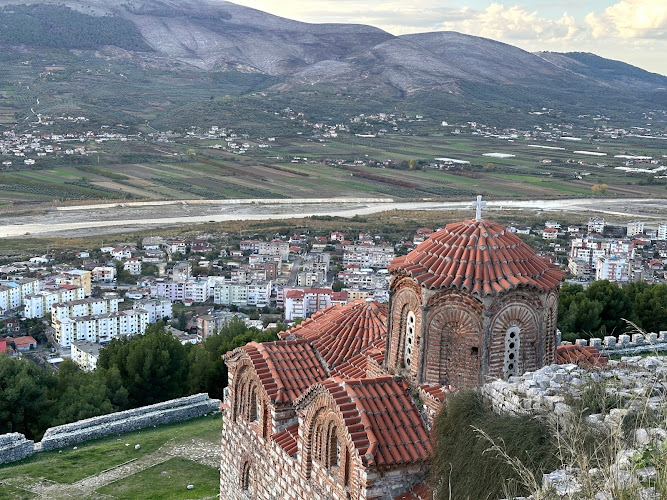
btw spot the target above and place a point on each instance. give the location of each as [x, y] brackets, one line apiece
[479, 256]
[438, 392]
[286, 368]
[580, 355]
[382, 419]
[420, 491]
[341, 332]
[366, 361]
[288, 439]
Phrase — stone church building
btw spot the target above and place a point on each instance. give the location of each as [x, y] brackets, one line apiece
[342, 406]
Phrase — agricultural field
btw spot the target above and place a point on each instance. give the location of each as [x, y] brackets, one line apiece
[169, 459]
[300, 167]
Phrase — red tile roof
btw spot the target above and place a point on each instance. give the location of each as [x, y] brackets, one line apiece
[3, 346]
[286, 368]
[358, 366]
[420, 491]
[438, 392]
[481, 257]
[341, 332]
[382, 419]
[288, 439]
[25, 341]
[580, 355]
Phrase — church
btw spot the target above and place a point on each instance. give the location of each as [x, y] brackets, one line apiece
[342, 406]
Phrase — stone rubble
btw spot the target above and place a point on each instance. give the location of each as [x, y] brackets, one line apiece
[638, 383]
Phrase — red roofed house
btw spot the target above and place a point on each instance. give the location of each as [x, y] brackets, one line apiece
[24, 343]
[329, 411]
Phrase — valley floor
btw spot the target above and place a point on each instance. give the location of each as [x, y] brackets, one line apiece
[87, 220]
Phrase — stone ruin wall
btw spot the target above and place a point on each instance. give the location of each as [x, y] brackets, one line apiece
[14, 447]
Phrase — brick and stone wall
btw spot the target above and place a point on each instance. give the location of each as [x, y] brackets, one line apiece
[15, 447]
[167, 412]
[272, 473]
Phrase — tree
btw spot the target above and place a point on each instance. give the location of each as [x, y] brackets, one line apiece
[24, 397]
[153, 367]
[599, 188]
[337, 286]
[615, 306]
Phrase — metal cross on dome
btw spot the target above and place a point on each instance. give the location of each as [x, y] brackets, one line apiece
[478, 205]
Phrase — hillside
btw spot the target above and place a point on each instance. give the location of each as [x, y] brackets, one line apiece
[217, 36]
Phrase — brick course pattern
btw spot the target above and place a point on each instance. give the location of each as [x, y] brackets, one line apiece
[485, 306]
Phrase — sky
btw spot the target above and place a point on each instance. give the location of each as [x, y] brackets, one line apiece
[632, 31]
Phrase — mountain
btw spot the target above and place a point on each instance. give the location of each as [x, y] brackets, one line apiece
[242, 50]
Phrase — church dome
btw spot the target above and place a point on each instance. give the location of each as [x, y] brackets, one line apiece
[477, 256]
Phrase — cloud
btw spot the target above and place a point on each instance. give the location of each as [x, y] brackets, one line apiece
[630, 19]
[500, 22]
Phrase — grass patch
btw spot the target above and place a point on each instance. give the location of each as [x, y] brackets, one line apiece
[461, 457]
[90, 458]
[8, 492]
[168, 480]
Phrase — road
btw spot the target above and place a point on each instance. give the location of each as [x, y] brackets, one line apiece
[294, 272]
[105, 219]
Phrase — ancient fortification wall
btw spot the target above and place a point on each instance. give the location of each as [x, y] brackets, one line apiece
[15, 447]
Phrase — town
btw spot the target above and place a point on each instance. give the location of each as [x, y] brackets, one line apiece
[68, 304]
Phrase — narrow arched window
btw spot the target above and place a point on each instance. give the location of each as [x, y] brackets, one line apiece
[246, 477]
[318, 454]
[511, 363]
[333, 446]
[252, 405]
[408, 346]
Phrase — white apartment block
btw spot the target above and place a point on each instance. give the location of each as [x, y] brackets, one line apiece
[310, 278]
[303, 303]
[612, 268]
[85, 354]
[243, 294]
[635, 227]
[132, 266]
[100, 328]
[157, 308]
[83, 307]
[14, 292]
[662, 231]
[596, 225]
[275, 247]
[368, 256]
[37, 305]
[104, 274]
[197, 290]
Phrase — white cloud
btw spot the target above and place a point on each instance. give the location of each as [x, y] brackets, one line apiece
[630, 19]
[500, 22]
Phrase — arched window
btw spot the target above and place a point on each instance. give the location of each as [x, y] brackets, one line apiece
[252, 405]
[348, 468]
[511, 363]
[410, 321]
[246, 476]
[317, 448]
[333, 448]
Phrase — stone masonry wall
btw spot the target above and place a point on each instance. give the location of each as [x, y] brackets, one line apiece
[15, 447]
[274, 474]
[167, 412]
